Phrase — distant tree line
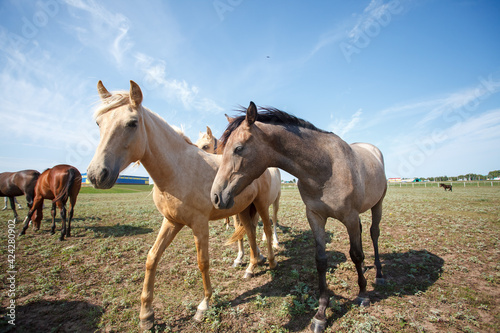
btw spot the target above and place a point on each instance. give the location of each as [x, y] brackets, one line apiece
[469, 176]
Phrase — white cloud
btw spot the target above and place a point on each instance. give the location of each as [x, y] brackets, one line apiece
[155, 77]
[342, 126]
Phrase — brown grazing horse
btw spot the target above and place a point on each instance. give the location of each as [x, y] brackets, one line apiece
[335, 180]
[57, 184]
[13, 184]
[446, 187]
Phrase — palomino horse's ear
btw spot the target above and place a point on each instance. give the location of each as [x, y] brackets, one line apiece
[103, 92]
[209, 132]
[135, 94]
[251, 113]
[229, 119]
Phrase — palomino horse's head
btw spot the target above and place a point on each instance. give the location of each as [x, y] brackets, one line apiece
[123, 134]
[206, 142]
[243, 159]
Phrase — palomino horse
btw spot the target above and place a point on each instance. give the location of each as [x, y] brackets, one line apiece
[13, 184]
[183, 176]
[335, 180]
[57, 184]
[446, 187]
[209, 143]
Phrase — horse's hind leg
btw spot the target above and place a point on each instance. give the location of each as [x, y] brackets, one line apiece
[167, 233]
[375, 233]
[276, 207]
[53, 214]
[70, 217]
[63, 218]
[356, 252]
[241, 250]
[13, 206]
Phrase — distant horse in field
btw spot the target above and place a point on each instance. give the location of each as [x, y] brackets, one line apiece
[446, 187]
[183, 176]
[13, 184]
[209, 143]
[335, 180]
[58, 184]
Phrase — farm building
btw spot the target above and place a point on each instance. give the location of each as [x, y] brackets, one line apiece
[123, 179]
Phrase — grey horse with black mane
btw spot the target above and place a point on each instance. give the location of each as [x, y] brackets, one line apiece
[335, 180]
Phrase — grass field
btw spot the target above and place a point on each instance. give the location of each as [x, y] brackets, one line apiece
[439, 251]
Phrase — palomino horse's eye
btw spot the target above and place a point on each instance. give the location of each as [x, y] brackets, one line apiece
[205, 147]
[132, 124]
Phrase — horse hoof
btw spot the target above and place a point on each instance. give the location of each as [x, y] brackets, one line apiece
[379, 281]
[262, 260]
[272, 265]
[362, 301]
[237, 264]
[198, 317]
[317, 325]
[147, 324]
[248, 275]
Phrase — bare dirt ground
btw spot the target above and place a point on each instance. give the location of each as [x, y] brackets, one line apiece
[439, 251]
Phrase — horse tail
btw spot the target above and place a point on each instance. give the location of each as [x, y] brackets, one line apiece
[239, 228]
[63, 195]
[239, 232]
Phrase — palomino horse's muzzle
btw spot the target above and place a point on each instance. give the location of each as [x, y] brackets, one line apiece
[102, 178]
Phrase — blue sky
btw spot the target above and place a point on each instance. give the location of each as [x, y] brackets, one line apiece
[419, 79]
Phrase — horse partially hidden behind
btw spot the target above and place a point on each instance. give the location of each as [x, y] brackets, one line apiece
[335, 180]
[183, 176]
[13, 184]
[446, 187]
[59, 184]
[210, 144]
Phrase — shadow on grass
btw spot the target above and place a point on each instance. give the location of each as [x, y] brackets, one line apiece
[407, 273]
[119, 230]
[53, 316]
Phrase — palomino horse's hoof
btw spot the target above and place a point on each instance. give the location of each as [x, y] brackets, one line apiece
[379, 281]
[318, 326]
[147, 324]
[198, 317]
[362, 301]
[248, 275]
[237, 264]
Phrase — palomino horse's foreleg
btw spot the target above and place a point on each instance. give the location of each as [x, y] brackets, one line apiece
[353, 225]
[167, 233]
[317, 224]
[200, 231]
[375, 233]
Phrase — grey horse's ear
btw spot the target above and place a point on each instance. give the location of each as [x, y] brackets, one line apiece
[209, 132]
[229, 119]
[251, 114]
[103, 92]
[135, 94]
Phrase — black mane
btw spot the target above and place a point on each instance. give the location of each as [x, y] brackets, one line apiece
[268, 115]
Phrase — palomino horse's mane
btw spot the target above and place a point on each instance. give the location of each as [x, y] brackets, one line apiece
[268, 115]
[120, 98]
